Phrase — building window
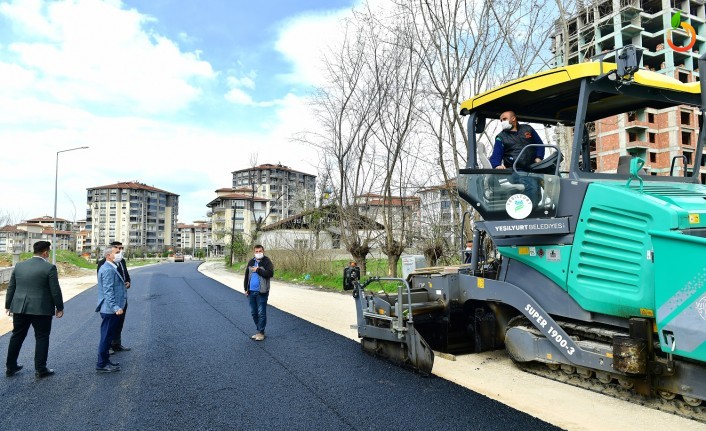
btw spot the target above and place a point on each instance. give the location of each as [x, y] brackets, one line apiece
[686, 138]
[684, 77]
[685, 118]
[651, 118]
[687, 154]
[632, 137]
[653, 157]
[652, 137]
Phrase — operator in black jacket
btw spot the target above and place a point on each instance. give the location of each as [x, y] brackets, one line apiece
[257, 288]
[117, 345]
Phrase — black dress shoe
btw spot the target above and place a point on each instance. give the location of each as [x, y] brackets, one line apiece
[120, 348]
[12, 371]
[44, 373]
[107, 369]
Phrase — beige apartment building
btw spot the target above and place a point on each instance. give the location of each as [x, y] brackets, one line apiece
[140, 216]
[21, 237]
[234, 211]
[194, 237]
[289, 192]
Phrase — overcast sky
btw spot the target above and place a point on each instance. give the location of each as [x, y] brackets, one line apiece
[175, 94]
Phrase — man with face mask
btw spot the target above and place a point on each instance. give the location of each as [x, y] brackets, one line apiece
[508, 145]
[116, 344]
[257, 288]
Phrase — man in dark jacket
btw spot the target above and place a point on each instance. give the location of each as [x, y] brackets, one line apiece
[508, 145]
[116, 344]
[33, 297]
[257, 288]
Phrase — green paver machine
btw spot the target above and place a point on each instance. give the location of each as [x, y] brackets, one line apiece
[605, 276]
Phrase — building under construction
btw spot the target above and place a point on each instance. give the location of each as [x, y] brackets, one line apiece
[602, 27]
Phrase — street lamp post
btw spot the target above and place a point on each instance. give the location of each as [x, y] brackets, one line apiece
[56, 188]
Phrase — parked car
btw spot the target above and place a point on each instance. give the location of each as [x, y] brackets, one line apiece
[178, 257]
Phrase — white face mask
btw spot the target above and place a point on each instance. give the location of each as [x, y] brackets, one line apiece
[259, 256]
[118, 257]
[506, 125]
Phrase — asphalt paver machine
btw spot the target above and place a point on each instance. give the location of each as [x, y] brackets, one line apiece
[605, 276]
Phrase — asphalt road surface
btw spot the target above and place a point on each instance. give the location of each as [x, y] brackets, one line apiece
[193, 366]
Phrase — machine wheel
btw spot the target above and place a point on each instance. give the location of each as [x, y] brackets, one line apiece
[604, 378]
[666, 395]
[553, 367]
[585, 373]
[625, 383]
[568, 369]
[693, 402]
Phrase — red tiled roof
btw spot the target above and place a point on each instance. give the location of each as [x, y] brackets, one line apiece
[10, 228]
[448, 186]
[132, 185]
[45, 218]
[50, 231]
[377, 200]
[236, 196]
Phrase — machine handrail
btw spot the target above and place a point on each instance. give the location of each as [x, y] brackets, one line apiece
[400, 316]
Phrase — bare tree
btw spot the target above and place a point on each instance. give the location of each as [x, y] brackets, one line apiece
[10, 217]
[345, 106]
[394, 61]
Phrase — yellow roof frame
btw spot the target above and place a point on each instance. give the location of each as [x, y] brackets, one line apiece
[562, 77]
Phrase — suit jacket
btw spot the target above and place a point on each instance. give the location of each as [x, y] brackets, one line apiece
[112, 294]
[34, 288]
[122, 269]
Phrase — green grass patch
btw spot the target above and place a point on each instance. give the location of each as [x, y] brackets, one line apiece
[324, 273]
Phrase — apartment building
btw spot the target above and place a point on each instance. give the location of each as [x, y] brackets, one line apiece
[196, 236]
[288, 191]
[21, 237]
[234, 210]
[399, 211]
[657, 136]
[436, 210]
[48, 222]
[138, 215]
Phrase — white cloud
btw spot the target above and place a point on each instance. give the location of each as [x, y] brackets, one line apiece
[303, 41]
[94, 51]
[70, 62]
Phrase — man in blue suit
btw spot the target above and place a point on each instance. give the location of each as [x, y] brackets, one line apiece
[112, 297]
[33, 297]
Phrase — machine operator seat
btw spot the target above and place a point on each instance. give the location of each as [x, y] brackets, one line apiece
[497, 184]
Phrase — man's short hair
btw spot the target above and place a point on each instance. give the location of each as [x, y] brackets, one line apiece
[41, 246]
[107, 251]
[116, 243]
[259, 246]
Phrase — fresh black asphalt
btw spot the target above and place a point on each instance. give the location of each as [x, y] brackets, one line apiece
[193, 366]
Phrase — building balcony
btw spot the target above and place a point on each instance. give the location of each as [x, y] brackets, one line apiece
[637, 126]
[637, 145]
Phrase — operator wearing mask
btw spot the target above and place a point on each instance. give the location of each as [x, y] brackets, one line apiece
[508, 145]
[116, 344]
[257, 288]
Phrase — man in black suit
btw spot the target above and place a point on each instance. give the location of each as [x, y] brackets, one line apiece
[33, 297]
[116, 345]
